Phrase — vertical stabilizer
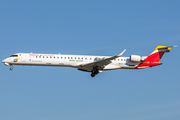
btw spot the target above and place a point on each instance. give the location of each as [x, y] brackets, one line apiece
[157, 54]
[154, 58]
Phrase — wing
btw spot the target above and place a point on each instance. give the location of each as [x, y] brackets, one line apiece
[99, 64]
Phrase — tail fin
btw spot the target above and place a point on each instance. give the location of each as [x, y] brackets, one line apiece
[154, 58]
[157, 54]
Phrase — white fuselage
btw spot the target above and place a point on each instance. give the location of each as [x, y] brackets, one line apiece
[93, 64]
[75, 61]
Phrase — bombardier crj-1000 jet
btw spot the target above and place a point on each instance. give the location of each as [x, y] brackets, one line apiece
[93, 64]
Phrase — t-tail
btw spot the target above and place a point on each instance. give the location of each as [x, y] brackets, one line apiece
[154, 58]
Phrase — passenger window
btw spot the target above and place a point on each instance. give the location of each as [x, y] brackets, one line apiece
[57, 57]
[50, 57]
[39, 56]
[78, 57]
[36, 56]
[61, 57]
[68, 57]
[74, 57]
[64, 57]
[71, 57]
[54, 57]
[82, 58]
[47, 57]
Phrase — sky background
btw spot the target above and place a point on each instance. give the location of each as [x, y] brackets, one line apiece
[89, 27]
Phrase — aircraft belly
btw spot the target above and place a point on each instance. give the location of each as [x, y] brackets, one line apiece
[113, 67]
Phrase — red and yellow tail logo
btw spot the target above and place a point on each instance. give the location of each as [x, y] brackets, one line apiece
[154, 58]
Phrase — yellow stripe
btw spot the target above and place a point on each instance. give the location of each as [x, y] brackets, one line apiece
[162, 47]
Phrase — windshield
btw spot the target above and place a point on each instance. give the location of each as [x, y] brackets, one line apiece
[14, 56]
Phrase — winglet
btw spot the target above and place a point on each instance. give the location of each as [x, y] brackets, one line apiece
[121, 53]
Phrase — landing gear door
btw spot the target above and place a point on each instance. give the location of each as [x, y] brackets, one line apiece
[23, 57]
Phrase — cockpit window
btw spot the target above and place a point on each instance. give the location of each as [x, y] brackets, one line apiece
[14, 56]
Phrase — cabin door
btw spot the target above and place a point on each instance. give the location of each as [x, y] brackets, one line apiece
[23, 57]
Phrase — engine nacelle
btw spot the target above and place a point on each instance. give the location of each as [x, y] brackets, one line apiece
[143, 58]
[135, 58]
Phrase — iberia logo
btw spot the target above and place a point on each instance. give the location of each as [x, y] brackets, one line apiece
[16, 59]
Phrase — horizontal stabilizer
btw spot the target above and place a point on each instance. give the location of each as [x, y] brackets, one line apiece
[163, 48]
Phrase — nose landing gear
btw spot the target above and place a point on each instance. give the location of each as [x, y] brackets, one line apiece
[11, 68]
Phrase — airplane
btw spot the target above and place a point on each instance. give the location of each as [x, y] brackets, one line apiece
[93, 64]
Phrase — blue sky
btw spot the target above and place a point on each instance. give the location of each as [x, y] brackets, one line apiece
[82, 27]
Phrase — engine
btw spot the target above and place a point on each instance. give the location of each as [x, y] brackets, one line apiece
[135, 58]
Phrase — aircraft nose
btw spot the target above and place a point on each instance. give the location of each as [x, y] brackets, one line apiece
[5, 60]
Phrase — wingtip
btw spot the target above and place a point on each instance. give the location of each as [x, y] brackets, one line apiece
[122, 52]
